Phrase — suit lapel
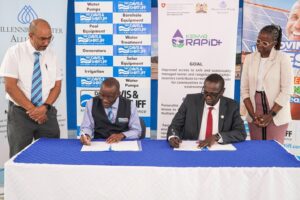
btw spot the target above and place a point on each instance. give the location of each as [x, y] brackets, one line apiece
[199, 111]
[222, 111]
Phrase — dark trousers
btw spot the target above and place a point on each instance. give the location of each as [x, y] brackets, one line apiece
[21, 129]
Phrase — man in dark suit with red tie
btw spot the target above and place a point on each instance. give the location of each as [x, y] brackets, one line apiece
[208, 117]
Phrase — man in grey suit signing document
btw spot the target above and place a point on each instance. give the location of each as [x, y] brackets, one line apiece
[208, 117]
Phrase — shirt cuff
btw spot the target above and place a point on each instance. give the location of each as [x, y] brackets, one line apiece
[171, 136]
[132, 134]
[86, 132]
[220, 139]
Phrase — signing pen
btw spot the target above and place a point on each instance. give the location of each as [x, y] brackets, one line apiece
[203, 147]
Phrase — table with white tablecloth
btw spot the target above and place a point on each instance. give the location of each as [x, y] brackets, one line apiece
[57, 169]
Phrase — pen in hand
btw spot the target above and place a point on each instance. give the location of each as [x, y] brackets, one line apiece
[202, 144]
[85, 139]
[203, 147]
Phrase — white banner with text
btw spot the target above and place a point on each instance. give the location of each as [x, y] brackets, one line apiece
[200, 40]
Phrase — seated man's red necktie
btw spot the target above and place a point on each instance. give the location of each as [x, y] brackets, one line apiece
[209, 124]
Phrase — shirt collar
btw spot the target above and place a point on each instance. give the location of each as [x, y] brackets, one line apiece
[31, 48]
[216, 106]
[115, 105]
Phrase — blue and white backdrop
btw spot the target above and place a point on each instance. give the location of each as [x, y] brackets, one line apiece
[113, 39]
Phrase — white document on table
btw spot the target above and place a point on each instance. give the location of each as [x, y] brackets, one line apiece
[96, 146]
[125, 146]
[120, 146]
[222, 147]
[188, 145]
[192, 145]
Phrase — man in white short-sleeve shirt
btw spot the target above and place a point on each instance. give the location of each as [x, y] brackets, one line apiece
[32, 82]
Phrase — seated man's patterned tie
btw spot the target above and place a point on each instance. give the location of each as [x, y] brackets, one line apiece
[110, 115]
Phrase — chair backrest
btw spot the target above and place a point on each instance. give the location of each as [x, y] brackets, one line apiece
[143, 126]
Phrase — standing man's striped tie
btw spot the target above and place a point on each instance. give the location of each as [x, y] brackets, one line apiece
[36, 88]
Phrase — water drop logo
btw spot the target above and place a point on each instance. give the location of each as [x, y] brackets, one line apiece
[26, 15]
[178, 40]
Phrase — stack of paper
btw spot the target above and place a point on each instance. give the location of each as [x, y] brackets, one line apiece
[120, 146]
[192, 145]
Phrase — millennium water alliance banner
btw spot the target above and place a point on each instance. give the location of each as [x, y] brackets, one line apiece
[14, 22]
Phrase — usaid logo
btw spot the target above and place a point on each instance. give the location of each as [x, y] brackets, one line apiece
[27, 15]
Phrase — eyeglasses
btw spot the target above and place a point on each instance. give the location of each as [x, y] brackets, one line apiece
[263, 43]
[212, 94]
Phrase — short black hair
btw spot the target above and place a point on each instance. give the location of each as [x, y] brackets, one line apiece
[215, 78]
[111, 82]
[275, 31]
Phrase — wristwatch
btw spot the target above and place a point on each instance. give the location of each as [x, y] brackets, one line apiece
[273, 113]
[48, 106]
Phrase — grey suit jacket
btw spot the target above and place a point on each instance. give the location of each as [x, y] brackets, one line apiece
[187, 121]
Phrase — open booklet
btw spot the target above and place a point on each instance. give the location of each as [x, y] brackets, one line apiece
[191, 145]
[120, 146]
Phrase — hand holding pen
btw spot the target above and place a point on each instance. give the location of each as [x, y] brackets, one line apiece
[85, 139]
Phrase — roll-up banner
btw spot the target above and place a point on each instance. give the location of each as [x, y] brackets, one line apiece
[196, 38]
[14, 22]
[113, 39]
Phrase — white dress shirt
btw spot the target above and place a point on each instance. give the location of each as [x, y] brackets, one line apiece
[18, 63]
[215, 115]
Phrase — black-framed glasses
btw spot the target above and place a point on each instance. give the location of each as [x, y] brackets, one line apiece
[263, 43]
[212, 94]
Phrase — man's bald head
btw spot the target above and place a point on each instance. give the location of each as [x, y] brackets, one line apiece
[38, 23]
[40, 34]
